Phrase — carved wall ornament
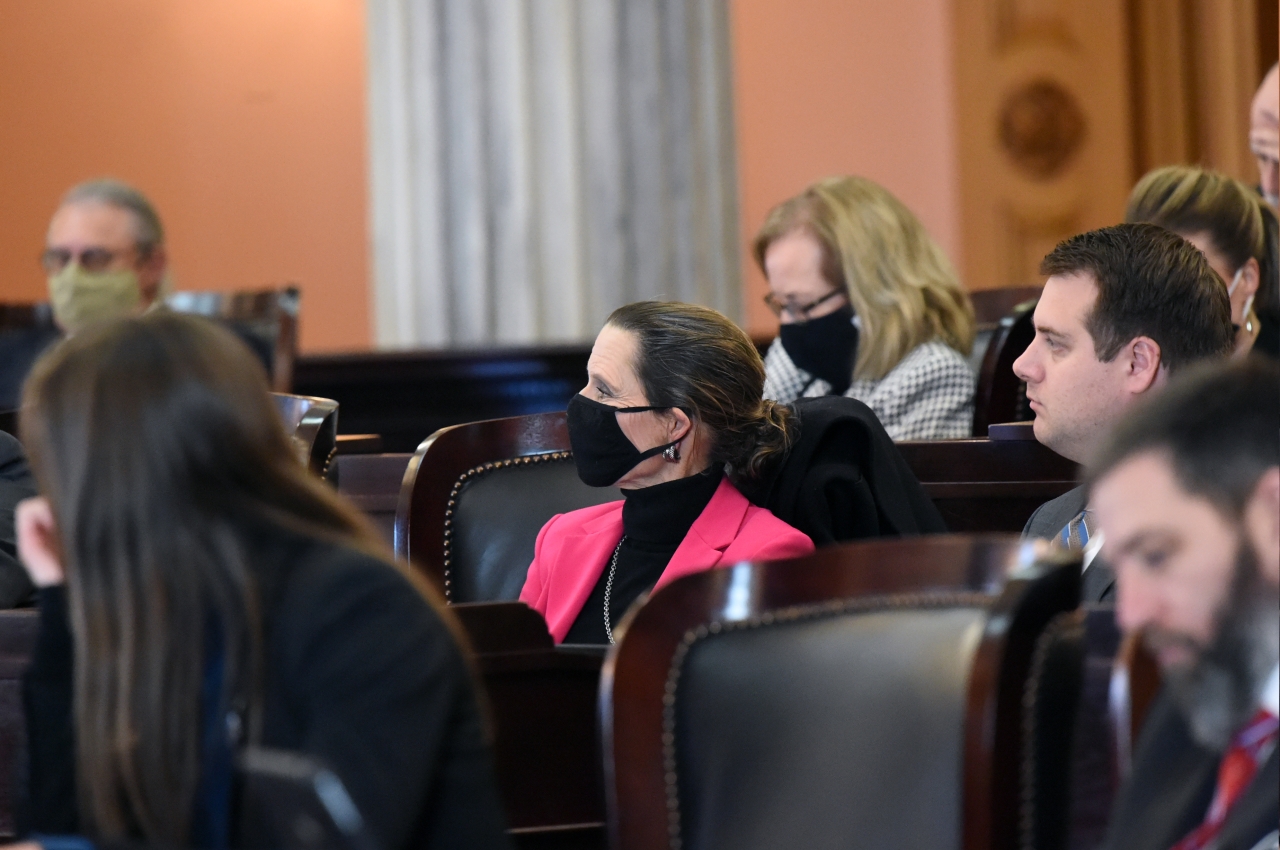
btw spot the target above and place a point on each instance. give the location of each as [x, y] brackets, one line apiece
[1041, 128]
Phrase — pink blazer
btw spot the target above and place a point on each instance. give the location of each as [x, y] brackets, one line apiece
[574, 548]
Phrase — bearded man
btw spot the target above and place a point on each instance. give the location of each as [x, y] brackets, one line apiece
[1187, 493]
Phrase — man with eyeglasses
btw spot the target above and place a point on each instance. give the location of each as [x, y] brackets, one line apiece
[104, 254]
[105, 257]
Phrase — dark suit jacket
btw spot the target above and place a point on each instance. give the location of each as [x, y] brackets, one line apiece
[1099, 582]
[20, 348]
[361, 673]
[16, 484]
[1172, 784]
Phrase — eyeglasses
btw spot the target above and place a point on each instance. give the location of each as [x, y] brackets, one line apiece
[55, 260]
[798, 312]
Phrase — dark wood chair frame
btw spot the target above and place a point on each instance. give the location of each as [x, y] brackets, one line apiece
[316, 428]
[999, 396]
[445, 461]
[986, 485]
[636, 674]
[1135, 682]
[542, 705]
[277, 306]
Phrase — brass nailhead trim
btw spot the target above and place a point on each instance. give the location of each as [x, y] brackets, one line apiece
[452, 504]
[798, 613]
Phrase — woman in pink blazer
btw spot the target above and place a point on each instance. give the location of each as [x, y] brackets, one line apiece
[673, 413]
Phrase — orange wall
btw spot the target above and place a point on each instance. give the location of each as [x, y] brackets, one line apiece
[243, 120]
[826, 87]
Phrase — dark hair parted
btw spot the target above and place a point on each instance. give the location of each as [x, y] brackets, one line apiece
[1218, 424]
[695, 359]
[162, 455]
[1190, 200]
[1151, 282]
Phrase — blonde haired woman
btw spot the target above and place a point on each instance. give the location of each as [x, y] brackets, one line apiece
[870, 308]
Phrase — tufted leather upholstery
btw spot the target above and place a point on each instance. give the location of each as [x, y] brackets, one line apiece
[805, 733]
[867, 695]
[1070, 774]
[498, 510]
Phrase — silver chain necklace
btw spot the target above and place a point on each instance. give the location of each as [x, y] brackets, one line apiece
[608, 587]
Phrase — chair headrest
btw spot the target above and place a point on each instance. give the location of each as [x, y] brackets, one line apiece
[497, 511]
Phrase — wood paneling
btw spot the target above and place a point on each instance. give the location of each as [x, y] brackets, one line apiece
[1044, 129]
[1195, 67]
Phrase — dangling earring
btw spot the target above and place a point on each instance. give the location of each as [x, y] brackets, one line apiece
[671, 454]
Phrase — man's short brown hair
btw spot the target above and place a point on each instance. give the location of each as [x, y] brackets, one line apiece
[1151, 282]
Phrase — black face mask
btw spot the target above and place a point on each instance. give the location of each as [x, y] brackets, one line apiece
[825, 347]
[602, 453]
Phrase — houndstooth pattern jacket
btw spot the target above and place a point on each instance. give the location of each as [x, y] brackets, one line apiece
[927, 396]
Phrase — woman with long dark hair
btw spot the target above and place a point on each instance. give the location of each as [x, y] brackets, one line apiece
[201, 592]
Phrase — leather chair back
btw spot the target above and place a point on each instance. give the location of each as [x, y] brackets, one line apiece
[866, 695]
[475, 497]
[1069, 758]
[313, 423]
[267, 321]
[828, 726]
[1000, 396]
[499, 508]
[989, 307]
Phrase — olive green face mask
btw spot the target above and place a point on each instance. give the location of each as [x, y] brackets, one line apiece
[81, 298]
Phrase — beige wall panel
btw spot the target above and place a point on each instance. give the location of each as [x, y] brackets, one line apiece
[1195, 69]
[1044, 129]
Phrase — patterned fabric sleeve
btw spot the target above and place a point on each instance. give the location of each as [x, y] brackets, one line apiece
[783, 380]
[927, 396]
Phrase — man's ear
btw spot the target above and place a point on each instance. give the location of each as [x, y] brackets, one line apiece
[1145, 365]
[1262, 524]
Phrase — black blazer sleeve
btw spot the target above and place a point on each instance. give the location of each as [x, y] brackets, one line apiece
[16, 484]
[381, 692]
[49, 803]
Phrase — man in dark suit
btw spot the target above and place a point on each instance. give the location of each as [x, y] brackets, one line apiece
[1122, 309]
[1187, 493]
[16, 484]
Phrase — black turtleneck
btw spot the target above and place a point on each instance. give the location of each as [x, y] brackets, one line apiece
[654, 522]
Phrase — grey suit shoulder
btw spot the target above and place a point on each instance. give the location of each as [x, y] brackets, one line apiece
[1098, 584]
[1050, 517]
